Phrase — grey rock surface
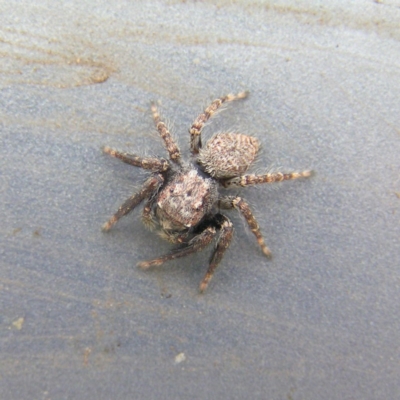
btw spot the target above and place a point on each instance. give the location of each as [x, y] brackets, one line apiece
[319, 321]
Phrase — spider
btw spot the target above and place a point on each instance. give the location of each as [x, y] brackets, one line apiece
[182, 200]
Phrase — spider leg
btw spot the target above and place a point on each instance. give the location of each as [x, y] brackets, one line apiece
[223, 243]
[153, 163]
[150, 186]
[195, 245]
[198, 243]
[197, 126]
[251, 179]
[229, 202]
[147, 215]
[172, 147]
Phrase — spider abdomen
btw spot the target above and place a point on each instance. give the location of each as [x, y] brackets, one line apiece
[227, 155]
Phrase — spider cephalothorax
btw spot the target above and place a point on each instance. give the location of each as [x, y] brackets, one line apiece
[182, 199]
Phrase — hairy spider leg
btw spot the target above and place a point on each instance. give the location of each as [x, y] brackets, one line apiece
[223, 243]
[199, 122]
[229, 202]
[153, 163]
[195, 245]
[147, 214]
[202, 240]
[150, 186]
[251, 179]
[171, 146]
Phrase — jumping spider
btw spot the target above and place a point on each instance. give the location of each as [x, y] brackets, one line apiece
[183, 200]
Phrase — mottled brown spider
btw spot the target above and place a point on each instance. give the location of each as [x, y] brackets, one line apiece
[183, 199]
